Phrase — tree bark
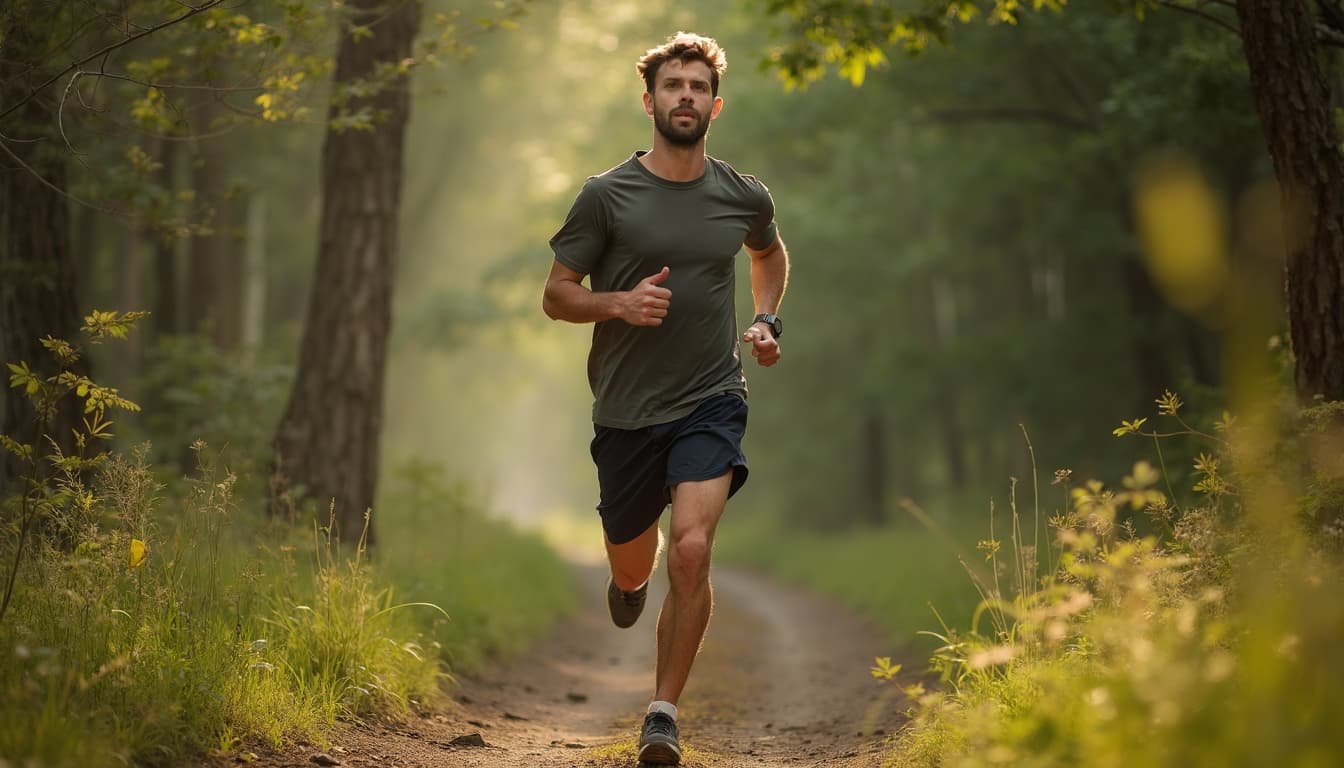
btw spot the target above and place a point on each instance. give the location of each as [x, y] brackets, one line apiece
[37, 271]
[253, 309]
[1293, 100]
[212, 275]
[166, 319]
[327, 443]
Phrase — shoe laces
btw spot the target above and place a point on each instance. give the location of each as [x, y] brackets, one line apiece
[660, 724]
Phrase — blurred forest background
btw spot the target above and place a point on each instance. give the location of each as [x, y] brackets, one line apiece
[1016, 229]
[967, 263]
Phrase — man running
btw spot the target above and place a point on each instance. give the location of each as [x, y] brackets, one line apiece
[657, 236]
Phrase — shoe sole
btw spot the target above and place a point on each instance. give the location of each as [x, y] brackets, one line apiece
[660, 754]
[613, 608]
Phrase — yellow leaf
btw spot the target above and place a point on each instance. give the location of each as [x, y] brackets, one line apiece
[139, 553]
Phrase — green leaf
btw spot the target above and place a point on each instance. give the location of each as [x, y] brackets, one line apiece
[1128, 427]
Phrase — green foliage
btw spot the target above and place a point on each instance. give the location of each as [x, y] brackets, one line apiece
[155, 638]
[151, 626]
[52, 495]
[230, 400]
[972, 209]
[342, 637]
[853, 35]
[1209, 645]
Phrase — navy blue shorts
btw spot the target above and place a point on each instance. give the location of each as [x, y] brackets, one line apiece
[636, 468]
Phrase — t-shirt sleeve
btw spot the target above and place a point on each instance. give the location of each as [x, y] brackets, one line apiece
[582, 239]
[763, 231]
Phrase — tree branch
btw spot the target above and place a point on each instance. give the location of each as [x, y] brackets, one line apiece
[4, 145]
[1326, 35]
[1205, 15]
[194, 10]
[1332, 12]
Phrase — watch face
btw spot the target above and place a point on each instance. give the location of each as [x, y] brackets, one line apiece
[776, 325]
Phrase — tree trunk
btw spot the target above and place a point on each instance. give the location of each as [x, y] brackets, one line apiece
[167, 302]
[327, 443]
[254, 276]
[37, 270]
[1293, 100]
[212, 277]
[940, 318]
[129, 263]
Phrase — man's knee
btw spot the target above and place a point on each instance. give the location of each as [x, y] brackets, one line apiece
[688, 557]
[633, 561]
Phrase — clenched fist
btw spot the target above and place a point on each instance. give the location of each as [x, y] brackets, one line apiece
[647, 302]
[764, 346]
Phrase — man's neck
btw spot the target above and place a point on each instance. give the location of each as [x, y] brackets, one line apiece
[674, 163]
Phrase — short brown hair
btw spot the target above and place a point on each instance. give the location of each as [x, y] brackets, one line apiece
[686, 46]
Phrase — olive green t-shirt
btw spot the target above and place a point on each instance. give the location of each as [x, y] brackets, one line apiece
[626, 225]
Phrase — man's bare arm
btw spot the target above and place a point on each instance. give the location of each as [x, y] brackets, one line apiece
[769, 278]
[567, 298]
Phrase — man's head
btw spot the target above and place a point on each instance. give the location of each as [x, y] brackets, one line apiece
[684, 47]
[681, 80]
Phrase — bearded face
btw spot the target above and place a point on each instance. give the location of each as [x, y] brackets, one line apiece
[682, 102]
[682, 126]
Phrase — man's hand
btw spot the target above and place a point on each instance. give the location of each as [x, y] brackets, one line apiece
[647, 302]
[764, 347]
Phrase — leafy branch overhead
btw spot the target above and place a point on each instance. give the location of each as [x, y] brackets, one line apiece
[855, 35]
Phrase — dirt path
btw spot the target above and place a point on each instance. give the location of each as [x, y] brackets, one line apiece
[782, 681]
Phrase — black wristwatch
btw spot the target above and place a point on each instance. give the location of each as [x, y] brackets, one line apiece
[776, 325]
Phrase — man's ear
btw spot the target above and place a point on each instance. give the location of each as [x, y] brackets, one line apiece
[718, 107]
[648, 104]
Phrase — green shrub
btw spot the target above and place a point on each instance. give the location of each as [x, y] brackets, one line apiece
[1211, 645]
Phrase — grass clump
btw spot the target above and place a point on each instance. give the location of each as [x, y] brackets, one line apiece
[1211, 643]
[150, 640]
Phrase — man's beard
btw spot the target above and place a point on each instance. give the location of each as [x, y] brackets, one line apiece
[681, 137]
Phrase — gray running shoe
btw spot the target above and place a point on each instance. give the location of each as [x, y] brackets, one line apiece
[658, 741]
[625, 606]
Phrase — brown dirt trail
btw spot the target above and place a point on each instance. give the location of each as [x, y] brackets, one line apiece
[782, 680]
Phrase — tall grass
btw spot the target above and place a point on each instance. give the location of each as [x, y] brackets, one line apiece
[150, 623]
[1214, 643]
[115, 653]
[182, 624]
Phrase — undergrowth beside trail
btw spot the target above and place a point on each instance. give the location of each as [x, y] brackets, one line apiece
[1211, 643]
[1181, 616]
[149, 620]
